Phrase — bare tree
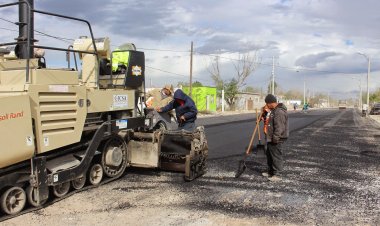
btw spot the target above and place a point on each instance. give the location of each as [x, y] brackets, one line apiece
[214, 70]
[244, 67]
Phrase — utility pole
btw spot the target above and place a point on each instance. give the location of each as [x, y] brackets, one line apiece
[360, 96]
[191, 70]
[304, 90]
[273, 75]
[151, 83]
[368, 72]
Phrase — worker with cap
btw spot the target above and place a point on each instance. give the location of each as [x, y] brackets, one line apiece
[277, 133]
[159, 97]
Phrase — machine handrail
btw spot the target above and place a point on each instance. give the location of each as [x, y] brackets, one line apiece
[28, 34]
[71, 47]
[29, 45]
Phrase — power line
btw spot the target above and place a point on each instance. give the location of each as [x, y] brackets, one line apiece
[7, 29]
[166, 50]
[8, 21]
[160, 50]
[67, 40]
[157, 69]
[310, 70]
[173, 73]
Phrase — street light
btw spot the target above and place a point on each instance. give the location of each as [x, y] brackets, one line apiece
[368, 71]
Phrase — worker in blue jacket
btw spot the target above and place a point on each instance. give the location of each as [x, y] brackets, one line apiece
[185, 110]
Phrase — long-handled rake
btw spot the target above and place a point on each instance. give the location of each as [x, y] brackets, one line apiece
[242, 166]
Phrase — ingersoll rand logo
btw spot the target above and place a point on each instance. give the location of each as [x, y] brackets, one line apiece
[11, 115]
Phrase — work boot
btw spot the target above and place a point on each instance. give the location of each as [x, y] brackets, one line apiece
[274, 178]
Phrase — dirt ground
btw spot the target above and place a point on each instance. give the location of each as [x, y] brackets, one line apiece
[332, 177]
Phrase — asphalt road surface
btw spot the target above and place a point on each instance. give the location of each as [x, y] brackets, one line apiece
[232, 138]
[331, 177]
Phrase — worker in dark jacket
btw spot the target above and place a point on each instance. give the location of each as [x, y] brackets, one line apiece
[185, 110]
[277, 133]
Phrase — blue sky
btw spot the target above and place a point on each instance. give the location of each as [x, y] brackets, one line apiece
[318, 38]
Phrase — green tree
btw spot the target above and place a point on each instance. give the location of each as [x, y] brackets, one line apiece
[275, 87]
[179, 84]
[197, 84]
[251, 89]
[375, 96]
[316, 99]
[293, 95]
[230, 91]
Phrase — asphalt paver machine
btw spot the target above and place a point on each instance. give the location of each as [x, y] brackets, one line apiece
[64, 129]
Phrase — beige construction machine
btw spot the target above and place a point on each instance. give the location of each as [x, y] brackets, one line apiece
[64, 129]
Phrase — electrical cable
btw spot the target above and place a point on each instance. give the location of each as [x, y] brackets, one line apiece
[67, 40]
[8, 21]
[166, 50]
[7, 29]
[173, 73]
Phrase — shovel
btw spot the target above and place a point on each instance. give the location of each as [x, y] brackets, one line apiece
[260, 147]
[242, 166]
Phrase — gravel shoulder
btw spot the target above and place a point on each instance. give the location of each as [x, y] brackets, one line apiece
[332, 177]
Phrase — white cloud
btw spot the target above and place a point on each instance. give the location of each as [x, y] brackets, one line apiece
[321, 34]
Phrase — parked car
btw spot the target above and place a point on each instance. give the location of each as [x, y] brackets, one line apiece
[375, 110]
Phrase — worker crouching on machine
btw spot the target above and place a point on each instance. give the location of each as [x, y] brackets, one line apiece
[186, 111]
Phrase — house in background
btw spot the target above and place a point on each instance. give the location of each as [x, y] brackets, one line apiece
[203, 96]
[248, 101]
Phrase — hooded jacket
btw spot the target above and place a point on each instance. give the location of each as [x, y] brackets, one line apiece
[278, 128]
[187, 108]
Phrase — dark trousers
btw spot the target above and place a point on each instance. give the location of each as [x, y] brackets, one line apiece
[274, 158]
[189, 126]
